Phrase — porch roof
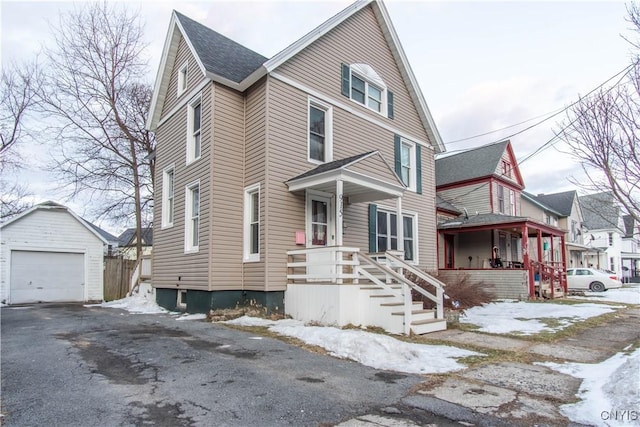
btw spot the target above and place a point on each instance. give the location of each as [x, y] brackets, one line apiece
[366, 177]
[577, 247]
[489, 221]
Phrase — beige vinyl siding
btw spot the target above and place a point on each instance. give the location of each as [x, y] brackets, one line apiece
[171, 266]
[383, 169]
[227, 190]
[194, 77]
[287, 154]
[254, 169]
[357, 40]
[473, 197]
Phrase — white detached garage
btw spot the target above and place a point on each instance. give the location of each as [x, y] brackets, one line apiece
[49, 254]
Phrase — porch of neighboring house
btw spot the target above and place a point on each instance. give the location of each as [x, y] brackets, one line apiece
[517, 257]
[330, 279]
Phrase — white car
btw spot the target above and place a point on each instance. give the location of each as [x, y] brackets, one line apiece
[592, 279]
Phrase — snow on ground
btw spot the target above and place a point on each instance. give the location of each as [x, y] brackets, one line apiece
[196, 316]
[609, 389]
[526, 318]
[374, 350]
[629, 294]
[142, 302]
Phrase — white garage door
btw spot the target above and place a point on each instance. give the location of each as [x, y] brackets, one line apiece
[46, 277]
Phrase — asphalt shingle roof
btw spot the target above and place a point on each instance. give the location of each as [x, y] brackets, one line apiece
[628, 225]
[559, 202]
[475, 163]
[481, 219]
[219, 54]
[336, 164]
[599, 211]
[444, 204]
[126, 238]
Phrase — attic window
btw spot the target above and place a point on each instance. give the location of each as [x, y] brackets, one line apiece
[362, 84]
[182, 78]
[506, 168]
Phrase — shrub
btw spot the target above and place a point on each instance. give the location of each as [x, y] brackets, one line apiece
[462, 292]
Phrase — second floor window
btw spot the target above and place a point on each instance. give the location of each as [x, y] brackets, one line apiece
[319, 136]
[610, 239]
[182, 79]
[194, 143]
[512, 202]
[500, 199]
[408, 165]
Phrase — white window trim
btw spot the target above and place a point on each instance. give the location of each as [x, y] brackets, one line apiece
[247, 256]
[190, 139]
[183, 78]
[413, 177]
[188, 215]
[165, 196]
[328, 130]
[366, 73]
[414, 216]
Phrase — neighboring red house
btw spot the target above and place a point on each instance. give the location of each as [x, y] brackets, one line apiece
[491, 239]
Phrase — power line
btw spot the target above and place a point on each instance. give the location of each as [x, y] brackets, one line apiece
[624, 72]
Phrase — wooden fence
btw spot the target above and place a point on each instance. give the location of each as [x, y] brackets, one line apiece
[117, 277]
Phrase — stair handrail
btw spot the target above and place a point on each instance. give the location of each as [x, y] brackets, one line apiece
[438, 299]
[374, 279]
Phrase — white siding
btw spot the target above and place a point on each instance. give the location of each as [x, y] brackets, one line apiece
[53, 230]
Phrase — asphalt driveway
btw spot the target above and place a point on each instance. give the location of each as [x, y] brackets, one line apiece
[69, 365]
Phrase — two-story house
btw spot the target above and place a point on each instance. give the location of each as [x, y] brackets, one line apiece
[631, 250]
[276, 176]
[493, 240]
[562, 209]
[604, 231]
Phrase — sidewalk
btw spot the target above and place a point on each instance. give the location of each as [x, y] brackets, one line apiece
[512, 393]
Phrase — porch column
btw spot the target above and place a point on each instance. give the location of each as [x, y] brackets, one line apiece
[400, 230]
[539, 240]
[339, 211]
[553, 254]
[526, 260]
[565, 287]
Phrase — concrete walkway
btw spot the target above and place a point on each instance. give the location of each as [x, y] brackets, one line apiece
[513, 393]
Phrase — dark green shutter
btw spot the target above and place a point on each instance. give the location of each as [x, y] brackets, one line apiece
[397, 155]
[346, 80]
[373, 228]
[390, 104]
[418, 169]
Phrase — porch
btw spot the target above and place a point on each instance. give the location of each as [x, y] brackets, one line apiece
[517, 257]
[340, 286]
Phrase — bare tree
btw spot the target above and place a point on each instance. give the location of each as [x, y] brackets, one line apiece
[18, 84]
[96, 99]
[603, 134]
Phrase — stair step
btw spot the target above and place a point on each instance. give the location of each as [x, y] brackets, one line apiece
[421, 327]
[425, 322]
[382, 296]
[413, 312]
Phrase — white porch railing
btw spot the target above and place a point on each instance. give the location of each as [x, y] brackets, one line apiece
[347, 265]
[141, 272]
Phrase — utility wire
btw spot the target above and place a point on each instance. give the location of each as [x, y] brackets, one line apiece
[556, 137]
[624, 72]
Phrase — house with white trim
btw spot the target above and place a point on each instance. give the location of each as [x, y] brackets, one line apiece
[303, 183]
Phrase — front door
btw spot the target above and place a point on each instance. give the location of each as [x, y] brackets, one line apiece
[320, 233]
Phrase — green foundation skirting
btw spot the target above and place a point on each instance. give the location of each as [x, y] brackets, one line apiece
[203, 301]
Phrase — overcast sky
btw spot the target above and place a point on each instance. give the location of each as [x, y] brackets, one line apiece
[481, 65]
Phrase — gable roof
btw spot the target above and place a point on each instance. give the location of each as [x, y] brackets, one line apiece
[126, 238]
[476, 163]
[336, 164]
[442, 204]
[218, 54]
[53, 206]
[249, 67]
[599, 211]
[105, 234]
[536, 200]
[629, 229]
[560, 202]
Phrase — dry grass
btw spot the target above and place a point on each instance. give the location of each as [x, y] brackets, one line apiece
[462, 292]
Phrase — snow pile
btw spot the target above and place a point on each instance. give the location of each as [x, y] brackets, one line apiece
[525, 318]
[196, 316]
[141, 302]
[610, 391]
[625, 295]
[374, 350]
